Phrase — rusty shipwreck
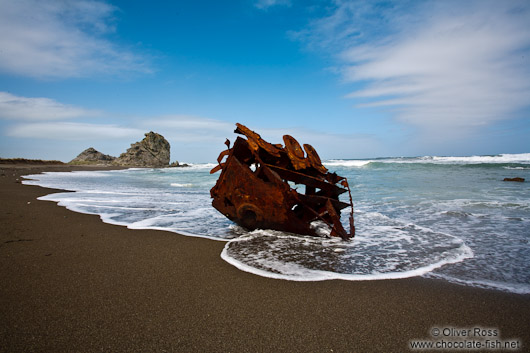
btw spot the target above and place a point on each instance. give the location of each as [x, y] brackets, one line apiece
[259, 182]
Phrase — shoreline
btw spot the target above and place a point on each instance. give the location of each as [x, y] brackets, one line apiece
[73, 283]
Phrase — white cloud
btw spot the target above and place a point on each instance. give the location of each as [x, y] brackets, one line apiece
[265, 4]
[59, 39]
[435, 65]
[70, 131]
[24, 108]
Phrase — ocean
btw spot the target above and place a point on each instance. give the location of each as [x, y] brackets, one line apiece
[451, 218]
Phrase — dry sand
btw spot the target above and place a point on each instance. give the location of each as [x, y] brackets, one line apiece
[70, 283]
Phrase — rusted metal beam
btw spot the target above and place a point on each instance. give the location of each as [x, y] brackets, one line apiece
[301, 178]
[315, 200]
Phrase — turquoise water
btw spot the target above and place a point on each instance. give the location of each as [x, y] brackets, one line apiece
[445, 217]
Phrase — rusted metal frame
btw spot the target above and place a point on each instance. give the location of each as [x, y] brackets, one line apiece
[314, 159]
[269, 173]
[315, 213]
[219, 159]
[273, 177]
[334, 217]
[335, 225]
[316, 199]
[305, 200]
[242, 151]
[300, 178]
[263, 167]
[295, 153]
[333, 178]
[237, 208]
[255, 140]
[222, 155]
[239, 145]
[352, 225]
[314, 175]
[332, 207]
[217, 168]
[337, 229]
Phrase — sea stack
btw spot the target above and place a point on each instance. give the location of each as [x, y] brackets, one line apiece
[92, 156]
[153, 151]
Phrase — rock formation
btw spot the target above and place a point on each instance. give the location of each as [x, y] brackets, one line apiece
[176, 164]
[92, 156]
[152, 151]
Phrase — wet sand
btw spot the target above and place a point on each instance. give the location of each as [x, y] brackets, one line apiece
[70, 283]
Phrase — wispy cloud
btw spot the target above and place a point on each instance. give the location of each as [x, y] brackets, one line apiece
[71, 131]
[60, 39]
[265, 4]
[45, 118]
[23, 108]
[439, 66]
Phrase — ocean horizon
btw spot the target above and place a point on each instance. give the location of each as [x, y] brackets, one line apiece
[452, 218]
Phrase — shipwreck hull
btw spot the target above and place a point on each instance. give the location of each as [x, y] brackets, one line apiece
[258, 187]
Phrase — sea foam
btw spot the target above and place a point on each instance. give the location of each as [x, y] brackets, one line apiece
[289, 257]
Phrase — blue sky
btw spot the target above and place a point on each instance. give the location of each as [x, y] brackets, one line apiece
[356, 79]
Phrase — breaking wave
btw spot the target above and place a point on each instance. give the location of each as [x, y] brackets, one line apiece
[521, 158]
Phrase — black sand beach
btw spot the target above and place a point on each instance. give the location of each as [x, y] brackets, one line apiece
[70, 283]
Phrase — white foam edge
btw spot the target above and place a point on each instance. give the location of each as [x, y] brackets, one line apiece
[38, 182]
[180, 185]
[88, 191]
[107, 218]
[506, 287]
[346, 163]
[319, 275]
